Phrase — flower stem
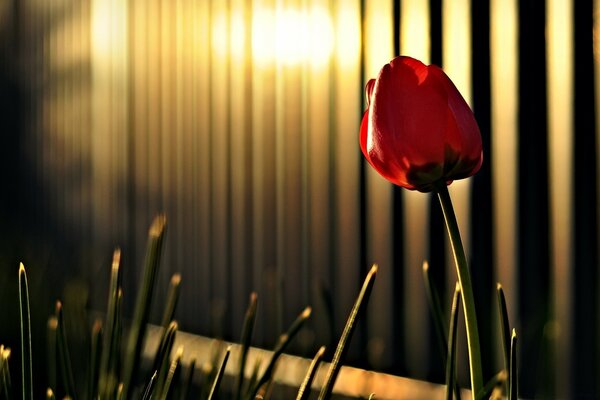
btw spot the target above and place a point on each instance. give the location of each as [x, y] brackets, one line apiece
[466, 288]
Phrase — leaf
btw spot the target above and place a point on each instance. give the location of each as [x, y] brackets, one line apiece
[25, 318]
[504, 326]
[5, 381]
[162, 361]
[149, 389]
[217, 381]
[51, 350]
[304, 391]
[439, 320]
[172, 375]
[172, 300]
[142, 308]
[64, 358]
[281, 345]
[95, 355]
[513, 373]
[492, 385]
[187, 386]
[340, 352]
[452, 333]
[245, 341]
[108, 361]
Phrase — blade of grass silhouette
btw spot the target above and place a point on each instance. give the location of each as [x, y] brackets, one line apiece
[245, 339]
[451, 358]
[172, 375]
[95, 355]
[187, 385]
[496, 381]
[162, 362]
[51, 346]
[120, 391]
[357, 310]
[513, 373]
[504, 326]
[219, 376]
[172, 300]
[64, 358]
[280, 347]
[253, 377]
[142, 308]
[439, 321]
[5, 381]
[25, 318]
[149, 389]
[304, 391]
[107, 379]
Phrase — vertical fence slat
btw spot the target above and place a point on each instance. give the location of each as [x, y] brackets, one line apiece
[378, 50]
[532, 190]
[560, 146]
[415, 42]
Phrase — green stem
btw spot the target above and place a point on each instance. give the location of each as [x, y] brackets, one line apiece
[466, 288]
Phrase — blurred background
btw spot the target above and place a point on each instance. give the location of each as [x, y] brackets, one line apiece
[239, 119]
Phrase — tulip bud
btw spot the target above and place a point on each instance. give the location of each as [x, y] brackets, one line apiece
[418, 130]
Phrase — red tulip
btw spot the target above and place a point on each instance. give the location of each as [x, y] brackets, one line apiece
[418, 130]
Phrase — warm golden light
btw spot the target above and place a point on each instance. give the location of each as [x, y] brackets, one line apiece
[291, 36]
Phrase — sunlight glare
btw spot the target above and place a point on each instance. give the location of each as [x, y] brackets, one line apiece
[291, 36]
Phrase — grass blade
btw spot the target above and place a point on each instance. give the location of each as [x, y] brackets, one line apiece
[149, 389]
[95, 355]
[5, 381]
[219, 376]
[282, 343]
[253, 378]
[371, 396]
[340, 351]
[439, 320]
[25, 315]
[187, 385]
[504, 325]
[513, 373]
[51, 351]
[492, 386]
[304, 391]
[64, 358]
[107, 378]
[172, 300]
[172, 375]
[142, 307]
[165, 358]
[161, 360]
[245, 341]
[451, 358]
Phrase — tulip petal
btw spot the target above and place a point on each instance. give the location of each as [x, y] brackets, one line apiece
[364, 128]
[463, 134]
[369, 90]
[407, 122]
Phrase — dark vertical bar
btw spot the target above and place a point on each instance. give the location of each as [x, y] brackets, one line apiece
[533, 254]
[436, 246]
[398, 366]
[435, 32]
[584, 369]
[482, 264]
